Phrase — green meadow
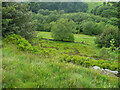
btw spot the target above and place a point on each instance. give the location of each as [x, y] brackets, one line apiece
[60, 45]
[25, 70]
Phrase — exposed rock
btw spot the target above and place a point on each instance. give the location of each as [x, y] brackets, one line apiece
[96, 67]
[115, 72]
[106, 71]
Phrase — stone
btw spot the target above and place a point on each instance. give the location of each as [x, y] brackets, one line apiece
[106, 71]
[96, 67]
[115, 72]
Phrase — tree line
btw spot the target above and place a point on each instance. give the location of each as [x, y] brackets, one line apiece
[59, 18]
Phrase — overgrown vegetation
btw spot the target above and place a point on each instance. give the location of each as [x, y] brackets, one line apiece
[22, 70]
[55, 45]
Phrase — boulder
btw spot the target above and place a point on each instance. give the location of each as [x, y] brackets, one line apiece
[106, 71]
[115, 72]
[109, 72]
[96, 67]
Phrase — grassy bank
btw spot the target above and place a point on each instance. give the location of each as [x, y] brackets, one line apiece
[25, 70]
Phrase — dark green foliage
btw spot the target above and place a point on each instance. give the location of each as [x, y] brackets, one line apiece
[113, 21]
[118, 9]
[109, 13]
[17, 19]
[87, 63]
[88, 27]
[67, 7]
[62, 30]
[44, 12]
[43, 21]
[99, 27]
[109, 33]
[113, 67]
[104, 10]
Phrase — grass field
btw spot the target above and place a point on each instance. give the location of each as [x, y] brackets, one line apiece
[25, 70]
[86, 39]
[78, 37]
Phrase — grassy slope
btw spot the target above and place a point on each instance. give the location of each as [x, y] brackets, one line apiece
[21, 69]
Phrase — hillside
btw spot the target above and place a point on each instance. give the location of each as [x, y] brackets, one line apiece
[26, 70]
[60, 45]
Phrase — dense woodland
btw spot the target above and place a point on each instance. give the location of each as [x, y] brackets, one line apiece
[48, 42]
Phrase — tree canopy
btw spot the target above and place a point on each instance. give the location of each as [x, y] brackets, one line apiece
[17, 19]
[62, 30]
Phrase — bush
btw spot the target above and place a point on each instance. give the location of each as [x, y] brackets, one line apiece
[106, 65]
[98, 28]
[110, 32]
[62, 30]
[21, 43]
[113, 67]
[88, 27]
[68, 59]
[87, 63]
[104, 53]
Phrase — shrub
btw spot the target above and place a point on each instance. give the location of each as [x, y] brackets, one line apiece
[88, 27]
[68, 59]
[110, 32]
[87, 63]
[98, 28]
[113, 67]
[22, 43]
[81, 61]
[73, 59]
[105, 65]
[63, 57]
[62, 30]
[94, 63]
[104, 53]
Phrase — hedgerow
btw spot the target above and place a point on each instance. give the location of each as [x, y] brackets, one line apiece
[87, 62]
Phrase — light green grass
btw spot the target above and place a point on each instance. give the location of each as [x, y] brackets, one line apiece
[46, 35]
[25, 70]
[78, 37]
[88, 45]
